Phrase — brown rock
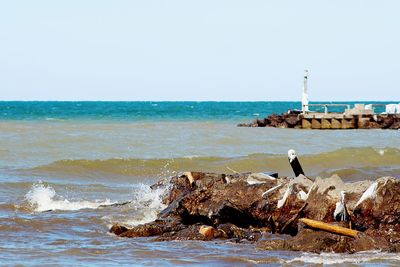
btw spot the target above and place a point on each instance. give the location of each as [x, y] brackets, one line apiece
[207, 205]
[374, 125]
[292, 121]
[320, 241]
[388, 120]
[363, 123]
[207, 231]
[118, 229]
[260, 123]
[274, 120]
[395, 126]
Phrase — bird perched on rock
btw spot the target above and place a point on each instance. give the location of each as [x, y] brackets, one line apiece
[294, 162]
[286, 195]
[370, 193]
[342, 213]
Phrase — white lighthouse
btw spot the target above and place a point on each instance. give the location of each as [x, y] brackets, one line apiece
[304, 99]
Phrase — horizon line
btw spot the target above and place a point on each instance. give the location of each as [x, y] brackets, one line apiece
[198, 101]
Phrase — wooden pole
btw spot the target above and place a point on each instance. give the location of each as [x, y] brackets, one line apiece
[329, 227]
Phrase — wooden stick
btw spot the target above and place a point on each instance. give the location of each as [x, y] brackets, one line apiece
[329, 227]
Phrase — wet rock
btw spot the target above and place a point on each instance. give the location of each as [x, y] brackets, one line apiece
[118, 229]
[395, 125]
[387, 121]
[207, 231]
[319, 241]
[204, 206]
[292, 121]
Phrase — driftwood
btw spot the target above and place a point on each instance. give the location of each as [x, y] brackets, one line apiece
[329, 227]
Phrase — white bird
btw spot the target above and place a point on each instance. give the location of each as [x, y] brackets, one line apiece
[341, 212]
[259, 178]
[303, 195]
[291, 155]
[370, 193]
[269, 191]
[287, 193]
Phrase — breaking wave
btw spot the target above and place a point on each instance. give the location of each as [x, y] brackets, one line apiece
[146, 204]
[354, 163]
[44, 198]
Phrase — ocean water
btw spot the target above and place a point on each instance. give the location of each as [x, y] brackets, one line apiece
[61, 163]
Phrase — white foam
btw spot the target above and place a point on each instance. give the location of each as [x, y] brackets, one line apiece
[147, 203]
[43, 198]
[340, 258]
[190, 156]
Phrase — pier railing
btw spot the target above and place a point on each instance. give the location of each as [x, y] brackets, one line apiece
[326, 106]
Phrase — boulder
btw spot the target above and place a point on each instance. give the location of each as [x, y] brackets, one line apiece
[205, 206]
[292, 120]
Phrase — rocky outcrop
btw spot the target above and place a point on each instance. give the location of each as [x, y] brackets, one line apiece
[285, 120]
[261, 209]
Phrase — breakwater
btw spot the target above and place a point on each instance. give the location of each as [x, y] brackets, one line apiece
[335, 121]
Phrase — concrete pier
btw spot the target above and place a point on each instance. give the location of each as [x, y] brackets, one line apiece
[331, 121]
[361, 116]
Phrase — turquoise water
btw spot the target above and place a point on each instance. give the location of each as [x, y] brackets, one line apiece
[136, 111]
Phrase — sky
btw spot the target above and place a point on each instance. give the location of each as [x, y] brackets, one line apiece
[223, 50]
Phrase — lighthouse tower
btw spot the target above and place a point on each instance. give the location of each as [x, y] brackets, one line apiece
[304, 99]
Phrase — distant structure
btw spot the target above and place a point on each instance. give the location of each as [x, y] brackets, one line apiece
[304, 99]
[360, 116]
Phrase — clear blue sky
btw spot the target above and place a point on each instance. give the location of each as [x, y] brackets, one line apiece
[199, 50]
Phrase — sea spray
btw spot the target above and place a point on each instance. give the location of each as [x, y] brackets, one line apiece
[146, 204]
[43, 197]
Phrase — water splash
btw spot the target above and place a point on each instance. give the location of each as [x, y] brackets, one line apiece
[43, 197]
[146, 203]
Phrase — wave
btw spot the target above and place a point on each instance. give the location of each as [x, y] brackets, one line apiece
[359, 257]
[354, 163]
[143, 207]
[44, 198]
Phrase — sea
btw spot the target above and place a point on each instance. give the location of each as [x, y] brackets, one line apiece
[62, 164]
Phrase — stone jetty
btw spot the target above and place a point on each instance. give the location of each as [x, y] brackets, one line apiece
[270, 212]
[328, 121]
